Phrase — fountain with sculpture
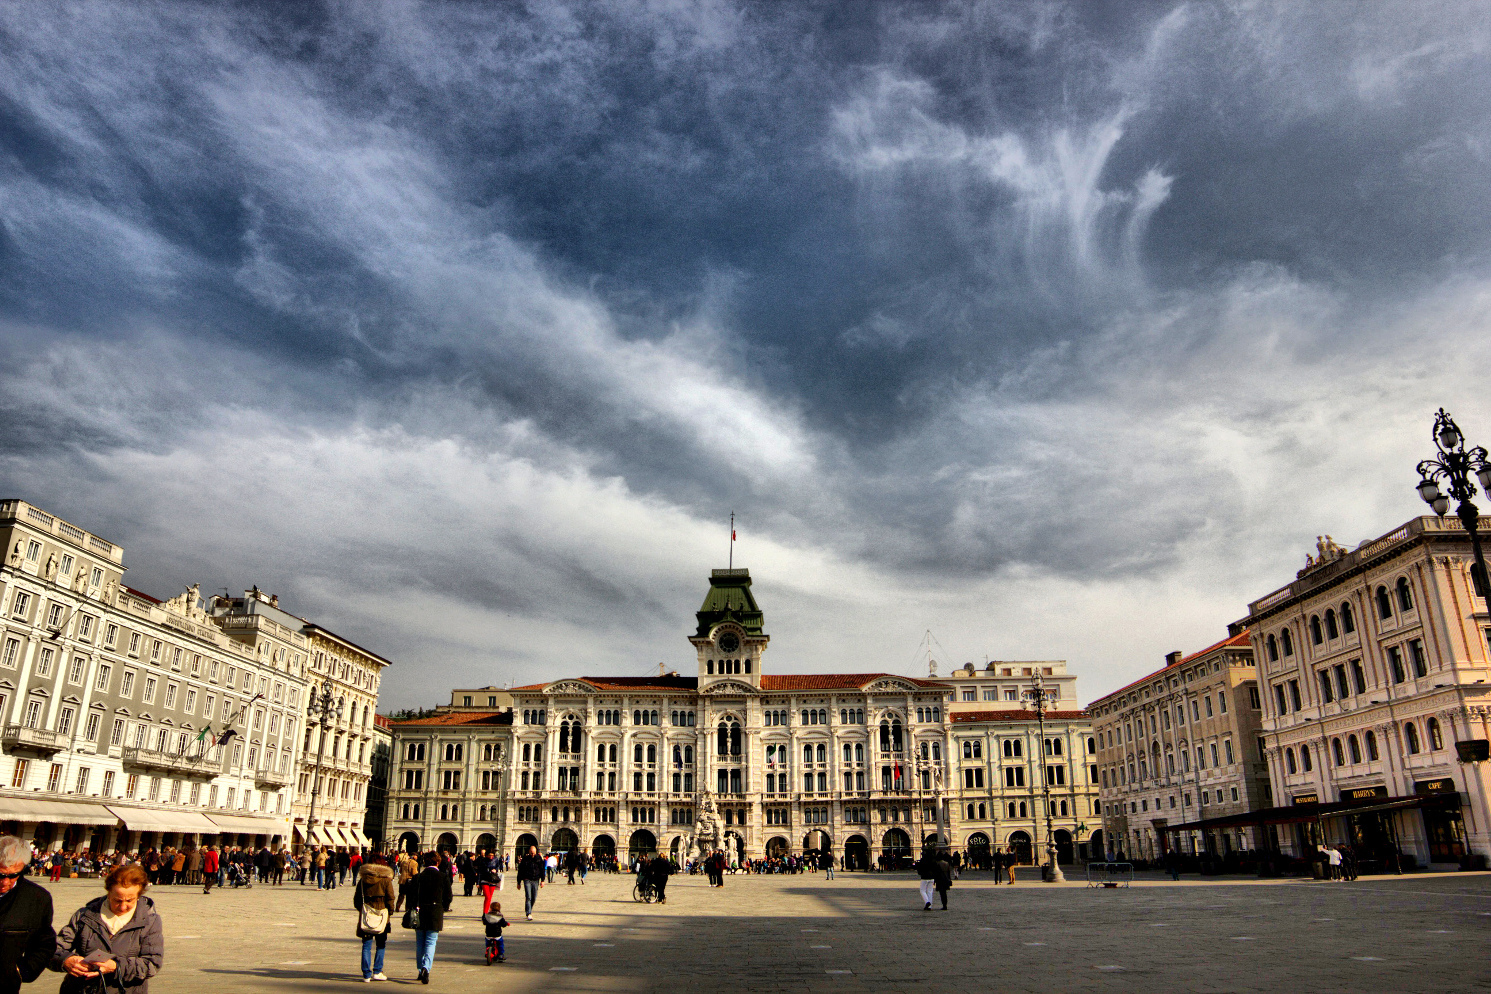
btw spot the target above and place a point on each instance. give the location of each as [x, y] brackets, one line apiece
[706, 838]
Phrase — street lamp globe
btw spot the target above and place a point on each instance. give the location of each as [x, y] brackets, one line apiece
[1484, 475]
[1449, 436]
[1428, 490]
[1441, 505]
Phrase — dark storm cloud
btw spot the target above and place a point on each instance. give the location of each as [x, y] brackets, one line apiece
[950, 298]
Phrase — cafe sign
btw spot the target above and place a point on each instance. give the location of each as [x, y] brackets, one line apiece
[1442, 785]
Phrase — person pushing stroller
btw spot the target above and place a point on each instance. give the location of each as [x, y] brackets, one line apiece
[494, 922]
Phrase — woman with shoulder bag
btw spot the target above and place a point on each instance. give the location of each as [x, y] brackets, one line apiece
[373, 898]
[114, 942]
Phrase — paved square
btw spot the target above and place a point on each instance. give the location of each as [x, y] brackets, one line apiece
[861, 932]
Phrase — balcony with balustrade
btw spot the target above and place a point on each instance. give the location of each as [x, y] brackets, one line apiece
[18, 738]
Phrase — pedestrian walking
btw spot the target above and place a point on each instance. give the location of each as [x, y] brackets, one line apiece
[927, 875]
[374, 900]
[407, 869]
[827, 862]
[210, 866]
[118, 937]
[531, 876]
[659, 872]
[942, 875]
[490, 883]
[27, 941]
[429, 899]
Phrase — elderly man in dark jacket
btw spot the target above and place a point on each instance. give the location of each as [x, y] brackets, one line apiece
[26, 936]
[430, 895]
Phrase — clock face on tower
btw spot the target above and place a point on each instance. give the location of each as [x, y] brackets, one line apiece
[729, 642]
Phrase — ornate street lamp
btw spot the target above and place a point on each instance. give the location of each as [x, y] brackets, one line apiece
[323, 710]
[1454, 465]
[1040, 697]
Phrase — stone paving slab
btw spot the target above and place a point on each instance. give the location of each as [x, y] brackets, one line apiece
[860, 933]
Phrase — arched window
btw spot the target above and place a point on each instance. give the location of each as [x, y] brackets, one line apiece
[1315, 636]
[611, 754]
[636, 752]
[1371, 738]
[822, 753]
[1331, 631]
[843, 716]
[722, 746]
[734, 741]
[1289, 761]
[1337, 752]
[688, 756]
[1411, 736]
[1348, 620]
[651, 754]
[937, 752]
[1305, 761]
[678, 755]
[1092, 744]
[600, 753]
[884, 735]
[807, 753]
[967, 749]
[982, 812]
[1022, 809]
[1405, 596]
[1286, 642]
[1354, 748]
[1012, 809]
[1436, 737]
[895, 735]
[859, 752]
[1384, 604]
[1271, 644]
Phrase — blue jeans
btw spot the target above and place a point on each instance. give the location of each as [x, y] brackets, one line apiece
[373, 964]
[530, 895]
[424, 948]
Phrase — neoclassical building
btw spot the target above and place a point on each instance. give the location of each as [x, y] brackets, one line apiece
[126, 720]
[1375, 673]
[850, 762]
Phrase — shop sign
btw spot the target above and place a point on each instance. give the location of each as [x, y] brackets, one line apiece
[1311, 798]
[1363, 793]
[1442, 785]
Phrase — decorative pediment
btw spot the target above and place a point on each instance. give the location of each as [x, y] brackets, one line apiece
[570, 687]
[891, 685]
[729, 687]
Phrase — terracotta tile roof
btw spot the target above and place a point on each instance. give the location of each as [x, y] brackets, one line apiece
[382, 721]
[836, 681]
[461, 718]
[1242, 638]
[143, 596]
[769, 682]
[960, 717]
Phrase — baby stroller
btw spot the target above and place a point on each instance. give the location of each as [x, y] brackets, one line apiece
[495, 923]
[235, 875]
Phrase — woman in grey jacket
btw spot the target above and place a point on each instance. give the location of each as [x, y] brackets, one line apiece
[118, 936]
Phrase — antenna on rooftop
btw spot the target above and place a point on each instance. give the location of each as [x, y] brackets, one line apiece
[732, 540]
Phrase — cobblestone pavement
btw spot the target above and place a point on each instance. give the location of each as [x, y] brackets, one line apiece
[861, 932]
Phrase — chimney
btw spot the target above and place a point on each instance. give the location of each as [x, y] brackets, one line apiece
[1171, 658]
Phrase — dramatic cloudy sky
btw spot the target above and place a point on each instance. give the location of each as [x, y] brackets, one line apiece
[1060, 330]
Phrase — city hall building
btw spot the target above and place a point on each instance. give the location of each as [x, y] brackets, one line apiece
[864, 765]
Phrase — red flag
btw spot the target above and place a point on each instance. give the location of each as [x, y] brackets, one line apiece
[732, 534]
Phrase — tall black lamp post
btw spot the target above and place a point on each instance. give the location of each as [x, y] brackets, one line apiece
[325, 710]
[1454, 465]
[1040, 698]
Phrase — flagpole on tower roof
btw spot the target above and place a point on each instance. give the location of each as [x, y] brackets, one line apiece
[732, 539]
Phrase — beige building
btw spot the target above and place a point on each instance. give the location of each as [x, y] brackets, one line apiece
[1179, 746]
[1375, 666]
[446, 779]
[129, 720]
[854, 763]
[1005, 760]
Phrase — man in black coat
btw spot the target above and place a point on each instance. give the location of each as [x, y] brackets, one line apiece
[429, 892]
[659, 871]
[27, 940]
[531, 876]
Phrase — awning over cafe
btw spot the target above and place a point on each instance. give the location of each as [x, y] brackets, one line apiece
[57, 812]
[164, 820]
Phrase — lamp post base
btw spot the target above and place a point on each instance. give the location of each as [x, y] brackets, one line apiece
[1053, 872]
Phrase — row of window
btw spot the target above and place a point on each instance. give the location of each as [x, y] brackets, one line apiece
[1332, 625]
[155, 789]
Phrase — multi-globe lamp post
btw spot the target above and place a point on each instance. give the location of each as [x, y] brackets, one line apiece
[1454, 465]
[324, 710]
[1042, 697]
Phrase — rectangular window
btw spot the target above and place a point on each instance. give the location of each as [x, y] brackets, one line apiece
[54, 616]
[1342, 689]
[127, 687]
[1195, 711]
[1222, 700]
[111, 635]
[33, 551]
[170, 695]
[970, 695]
[12, 653]
[1214, 755]
[85, 626]
[134, 643]
[108, 788]
[149, 696]
[116, 733]
[1325, 686]
[1227, 748]
[1395, 664]
[54, 778]
[991, 695]
[1294, 697]
[90, 729]
[44, 662]
[191, 700]
[1208, 706]
[131, 785]
[101, 681]
[1358, 677]
[20, 604]
[33, 712]
[18, 775]
[155, 646]
[81, 786]
[1420, 661]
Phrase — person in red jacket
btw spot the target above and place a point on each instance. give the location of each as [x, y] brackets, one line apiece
[209, 869]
